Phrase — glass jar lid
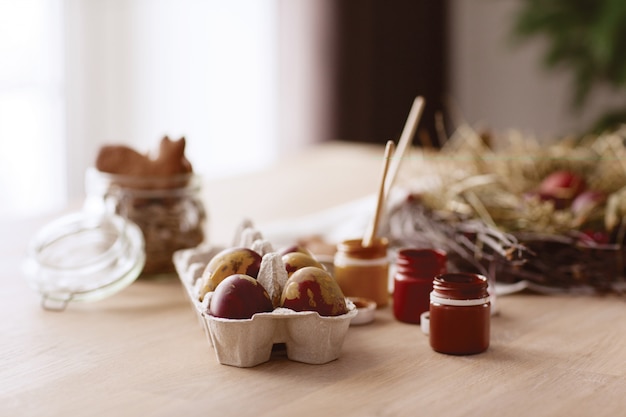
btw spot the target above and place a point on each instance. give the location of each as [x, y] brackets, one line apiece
[84, 257]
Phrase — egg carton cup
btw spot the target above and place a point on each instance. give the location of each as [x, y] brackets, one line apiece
[307, 336]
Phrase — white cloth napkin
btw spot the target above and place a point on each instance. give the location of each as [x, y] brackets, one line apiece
[346, 221]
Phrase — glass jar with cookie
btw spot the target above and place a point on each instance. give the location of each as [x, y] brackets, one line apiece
[160, 193]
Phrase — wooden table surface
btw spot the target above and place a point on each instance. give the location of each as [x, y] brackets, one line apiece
[142, 352]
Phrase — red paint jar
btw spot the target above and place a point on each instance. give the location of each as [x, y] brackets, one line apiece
[413, 281]
[459, 314]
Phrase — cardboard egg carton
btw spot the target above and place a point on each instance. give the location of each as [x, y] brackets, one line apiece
[308, 337]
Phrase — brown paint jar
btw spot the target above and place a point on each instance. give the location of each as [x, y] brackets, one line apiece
[363, 271]
[459, 314]
[413, 281]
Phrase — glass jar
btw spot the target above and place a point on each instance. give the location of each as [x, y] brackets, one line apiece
[363, 271]
[168, 210]
[81, 257]
[459, 314]
[413, 281]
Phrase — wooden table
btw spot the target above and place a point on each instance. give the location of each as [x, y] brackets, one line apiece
[142, 352]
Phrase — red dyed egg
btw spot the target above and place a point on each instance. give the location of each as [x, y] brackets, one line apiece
[239, 296]
[314, 289]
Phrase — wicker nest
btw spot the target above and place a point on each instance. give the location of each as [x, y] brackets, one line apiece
[482, 206]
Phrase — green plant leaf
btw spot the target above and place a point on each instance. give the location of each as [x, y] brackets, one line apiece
[586, 37]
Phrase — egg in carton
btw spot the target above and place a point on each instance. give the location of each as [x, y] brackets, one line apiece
[314, 337]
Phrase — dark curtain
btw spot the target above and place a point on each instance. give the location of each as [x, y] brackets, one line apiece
[387, 52]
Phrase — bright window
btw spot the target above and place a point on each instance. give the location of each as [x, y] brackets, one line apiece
[31, 107]
[77, 74]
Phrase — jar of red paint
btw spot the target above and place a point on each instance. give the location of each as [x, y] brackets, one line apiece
[459, 314]
[413, 281]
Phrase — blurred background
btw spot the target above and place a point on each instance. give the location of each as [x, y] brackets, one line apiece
[248, 81]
